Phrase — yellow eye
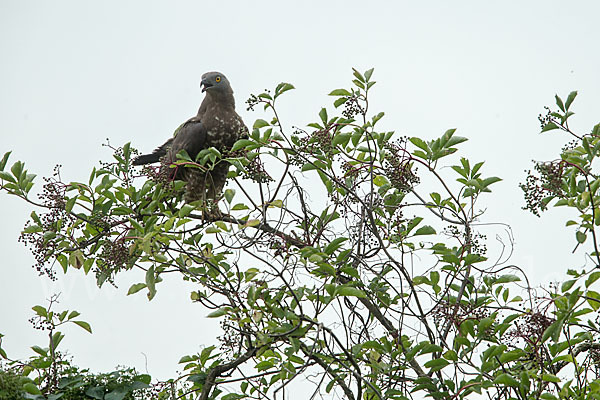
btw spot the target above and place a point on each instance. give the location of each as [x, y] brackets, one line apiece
[218, 79]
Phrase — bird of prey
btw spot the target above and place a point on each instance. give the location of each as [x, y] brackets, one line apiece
[216, 125]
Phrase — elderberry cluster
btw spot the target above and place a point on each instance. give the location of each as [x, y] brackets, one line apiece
[546, 118]
[255, 170]
[352, 107]
[254, 100]
[41, 324]
[114, 256]
[39, 235]
[538, 188]
[398, 168]
[444, 312]
[529, 327]
[350, 171]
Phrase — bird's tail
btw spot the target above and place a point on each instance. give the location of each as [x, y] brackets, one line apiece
[147, 159]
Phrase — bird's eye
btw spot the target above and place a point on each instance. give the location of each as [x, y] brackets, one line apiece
[218, 79]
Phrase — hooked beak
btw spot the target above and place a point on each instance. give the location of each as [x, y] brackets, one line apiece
[205, 84]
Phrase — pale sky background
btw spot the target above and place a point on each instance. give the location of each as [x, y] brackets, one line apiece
[74, 73]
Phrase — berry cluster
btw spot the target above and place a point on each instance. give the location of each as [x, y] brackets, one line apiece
[255, 170]
[40, 235]
[530, 327]
[444, 311]
[114, 256]
[539, 189]
[350, 171]
[255, 100]
[398, 168]
[352, 107]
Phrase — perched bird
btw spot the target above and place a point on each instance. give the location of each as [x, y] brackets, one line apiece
[216, 125]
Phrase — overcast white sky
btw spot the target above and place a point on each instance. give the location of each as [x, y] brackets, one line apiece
[74, 73]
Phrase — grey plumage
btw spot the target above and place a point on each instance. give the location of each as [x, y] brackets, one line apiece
[216, 125]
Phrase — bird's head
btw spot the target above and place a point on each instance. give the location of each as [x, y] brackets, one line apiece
[215, 82]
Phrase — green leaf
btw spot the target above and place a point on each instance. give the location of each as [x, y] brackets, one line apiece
[218, 313]
[507, 380]
[380, 180]
[349, 291]
[323, 115]
[549, 126]
[507, 278]
[368, 74]
[282, 88]
[259, 123]
[340, 92]
[84, 325]
[4, 160]
[425, 230]
[593, 299]
[580, 236]
[419, 143]
[31, 388]
[39, 310]
[338, 102]
[570, 99]
[566, 285]
[252, 222]
[559, 103]
[550, 378]
[40, 351]
[241, 144]
[358, 75]
[7, 177]
[341, 138]
[95, 392]
[136, 287]
[334, 245]
[276, 204]
[436, 364]
[229, 193]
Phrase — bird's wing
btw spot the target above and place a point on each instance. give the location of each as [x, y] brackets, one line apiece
[191, 137]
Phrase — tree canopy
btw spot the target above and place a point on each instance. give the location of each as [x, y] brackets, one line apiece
[343, 255]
